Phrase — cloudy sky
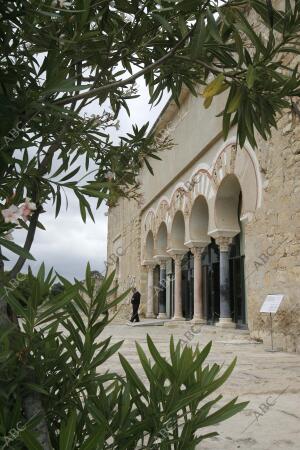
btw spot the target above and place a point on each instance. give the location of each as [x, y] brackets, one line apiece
[68, 244]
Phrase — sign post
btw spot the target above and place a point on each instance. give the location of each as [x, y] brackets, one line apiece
[271, 305]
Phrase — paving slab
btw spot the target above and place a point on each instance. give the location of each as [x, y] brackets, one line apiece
[269, 381]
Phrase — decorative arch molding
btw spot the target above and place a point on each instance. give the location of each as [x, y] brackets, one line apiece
[205, 181]
[149, 249]
[242, 163]
[149, 223]
[199, 219]
[178, 235]
[200, 183]
[226, 207]
[161, 239]
[162, 211]
[179, 199]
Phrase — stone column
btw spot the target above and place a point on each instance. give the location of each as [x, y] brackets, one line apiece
[198, 300]
[225, 320]
[149, 313]
[162, 314]
[178, 295]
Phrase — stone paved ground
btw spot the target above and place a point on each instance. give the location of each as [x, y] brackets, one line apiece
[259, 377]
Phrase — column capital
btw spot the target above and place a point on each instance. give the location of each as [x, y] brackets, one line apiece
[149, 264]
[202, 243]
[161, 259]
[176, 252]
[177, 259]
[197, 251]
[223, 243]
[163, 264]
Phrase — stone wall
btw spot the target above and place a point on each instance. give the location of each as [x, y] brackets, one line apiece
[272, 244]
[124, 251]
[273, 237]
[272, 240]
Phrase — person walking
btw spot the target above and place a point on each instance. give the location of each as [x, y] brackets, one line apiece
[135, 301]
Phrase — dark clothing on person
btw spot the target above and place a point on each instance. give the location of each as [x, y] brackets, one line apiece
[135, 301]
[135, 313]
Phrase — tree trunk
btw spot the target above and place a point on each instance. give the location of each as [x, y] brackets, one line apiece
[32, 405]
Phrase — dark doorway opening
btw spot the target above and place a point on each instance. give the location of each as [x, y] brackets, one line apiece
[156, 290]
[187, 286]
[211, 282]
[187, 280]
[171, 280]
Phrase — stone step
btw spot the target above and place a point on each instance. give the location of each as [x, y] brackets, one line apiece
[208, 329]
[148, 323]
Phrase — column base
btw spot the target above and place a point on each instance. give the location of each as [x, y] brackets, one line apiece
[150, 316]
[178, 318]
[162, 315]
[225, 323]
[198, 321]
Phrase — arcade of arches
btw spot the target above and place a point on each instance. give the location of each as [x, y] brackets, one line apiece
[217, 229]
[195, 263]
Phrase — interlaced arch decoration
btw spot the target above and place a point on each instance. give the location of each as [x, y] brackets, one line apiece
[200, 183]
[178, 199]
[149, 223]
[206, 181]
[162, 212]
[244, 165]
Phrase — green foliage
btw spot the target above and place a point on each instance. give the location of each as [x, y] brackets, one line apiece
[58, 352]
[58, 57]
[253, 67]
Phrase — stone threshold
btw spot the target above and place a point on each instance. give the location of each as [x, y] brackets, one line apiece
[149, 323]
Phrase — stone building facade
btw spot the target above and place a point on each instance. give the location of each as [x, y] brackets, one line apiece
[218, 229]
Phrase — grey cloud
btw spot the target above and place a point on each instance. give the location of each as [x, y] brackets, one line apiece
[68, 244]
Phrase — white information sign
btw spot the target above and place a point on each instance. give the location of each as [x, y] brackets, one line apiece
[271, 303]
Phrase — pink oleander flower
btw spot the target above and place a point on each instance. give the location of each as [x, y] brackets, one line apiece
[11, 214]
[110, 175]
[27, 208]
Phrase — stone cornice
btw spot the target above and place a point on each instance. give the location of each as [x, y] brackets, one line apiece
[149, 262]
[228, 233]
[201, 244]
[173, 252]
[161, 259]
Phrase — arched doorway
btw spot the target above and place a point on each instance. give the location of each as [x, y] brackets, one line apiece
[161, 242]
[161, 239]
[228, 207]
[187, 279]
[149, 248]
[178, 232]
[187, 286]
[211, 282]
[177, 239]
[199, 220]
